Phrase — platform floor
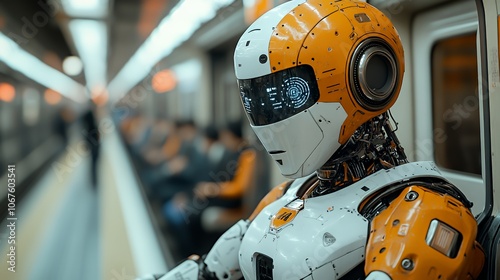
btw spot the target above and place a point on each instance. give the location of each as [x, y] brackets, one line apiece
[69, 229]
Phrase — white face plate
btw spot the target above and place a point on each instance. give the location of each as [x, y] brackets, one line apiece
[301, 144]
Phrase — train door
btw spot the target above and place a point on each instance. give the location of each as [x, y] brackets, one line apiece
[489, 43]
[447, 111]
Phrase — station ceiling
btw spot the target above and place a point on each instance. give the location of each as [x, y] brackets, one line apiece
[41, 28]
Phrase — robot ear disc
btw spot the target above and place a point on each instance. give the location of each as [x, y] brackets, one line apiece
[373, 74]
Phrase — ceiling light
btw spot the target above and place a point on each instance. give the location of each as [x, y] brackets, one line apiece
[90, 38]
[51, 96]
[85, 8]
[7, 92]
[20, 60]
[72, 65]
[163, 81]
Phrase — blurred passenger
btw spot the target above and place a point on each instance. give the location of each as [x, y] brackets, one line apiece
[173, 144]
[140, 131]
[181, 157]
[217, 155]
[92, 137]
[62, 122]
[205, 157]
[227, 187]
[163, 134]
[188, 135]
[224, 188]
[125, 126]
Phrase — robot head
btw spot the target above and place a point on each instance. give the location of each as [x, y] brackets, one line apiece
[311, 72]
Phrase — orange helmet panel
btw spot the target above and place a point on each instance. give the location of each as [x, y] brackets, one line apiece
[328, 36]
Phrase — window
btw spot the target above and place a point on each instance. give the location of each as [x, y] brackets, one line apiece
[455, 104]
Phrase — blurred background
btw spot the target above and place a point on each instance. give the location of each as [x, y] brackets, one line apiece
[130, 148]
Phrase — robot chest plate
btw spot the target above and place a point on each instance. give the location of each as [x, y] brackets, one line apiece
[296, 239]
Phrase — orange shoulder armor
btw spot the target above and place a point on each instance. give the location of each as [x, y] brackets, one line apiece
[424, 235]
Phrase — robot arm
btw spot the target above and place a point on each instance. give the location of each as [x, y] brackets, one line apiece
[220, 263]
[424, 234]
[222, 260]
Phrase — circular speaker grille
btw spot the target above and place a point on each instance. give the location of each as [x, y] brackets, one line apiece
[373, 74]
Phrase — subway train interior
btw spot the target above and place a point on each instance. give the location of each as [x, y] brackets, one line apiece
[120, 120]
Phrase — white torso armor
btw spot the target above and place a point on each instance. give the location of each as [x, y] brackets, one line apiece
[321, 237]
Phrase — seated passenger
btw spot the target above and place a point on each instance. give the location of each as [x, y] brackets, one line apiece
[167, 163]
[164, 143]
[227, 186]
[224, 188]
[142, 133]
[203, 158]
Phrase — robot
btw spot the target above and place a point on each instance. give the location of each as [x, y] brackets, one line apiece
[317, 79]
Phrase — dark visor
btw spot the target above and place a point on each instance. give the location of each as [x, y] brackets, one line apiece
[280, 95]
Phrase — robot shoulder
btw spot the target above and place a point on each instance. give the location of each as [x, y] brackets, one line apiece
[427, 232]
[291, 187]
[275, 194]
